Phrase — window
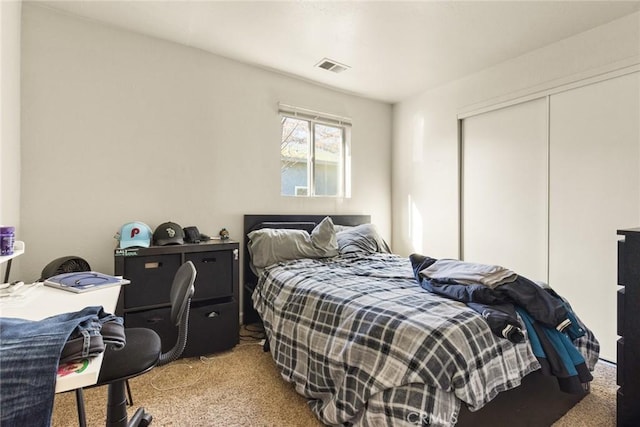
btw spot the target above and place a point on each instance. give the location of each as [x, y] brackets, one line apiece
[314, 155]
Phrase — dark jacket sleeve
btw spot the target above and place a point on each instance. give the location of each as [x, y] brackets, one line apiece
[542, 306]
[502, 320]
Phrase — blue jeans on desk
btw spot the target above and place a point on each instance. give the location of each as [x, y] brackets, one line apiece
[29, 354]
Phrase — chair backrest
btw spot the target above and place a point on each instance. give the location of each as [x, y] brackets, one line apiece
[182, 290]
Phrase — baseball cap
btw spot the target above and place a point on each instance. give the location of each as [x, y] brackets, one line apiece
[135, 234]
[168, 233]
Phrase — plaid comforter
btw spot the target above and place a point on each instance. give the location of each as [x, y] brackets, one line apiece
[367, 345]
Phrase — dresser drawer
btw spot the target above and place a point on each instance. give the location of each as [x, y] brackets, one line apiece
[620, 363]
[619, 406]
[159, 320]
[215, 274]
[212, 328]
[151, 278]
[621, 312]
[621, 279]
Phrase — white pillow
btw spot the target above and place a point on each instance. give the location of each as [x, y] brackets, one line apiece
[269, 246]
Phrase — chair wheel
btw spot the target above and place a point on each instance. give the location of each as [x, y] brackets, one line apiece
[140, 419]
[146, 420]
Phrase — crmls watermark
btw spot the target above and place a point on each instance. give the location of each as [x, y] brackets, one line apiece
[425, 419]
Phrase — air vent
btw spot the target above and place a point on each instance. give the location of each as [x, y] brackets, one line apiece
[331, 65]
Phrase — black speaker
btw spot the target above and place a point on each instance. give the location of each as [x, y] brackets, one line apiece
[67, 264]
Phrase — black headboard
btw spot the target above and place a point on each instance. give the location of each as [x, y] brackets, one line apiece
[304, 222]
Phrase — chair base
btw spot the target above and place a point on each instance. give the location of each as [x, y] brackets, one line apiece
[129, 397]
[141, 418]
[117, 409]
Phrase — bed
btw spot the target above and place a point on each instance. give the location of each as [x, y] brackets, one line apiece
[357, 336]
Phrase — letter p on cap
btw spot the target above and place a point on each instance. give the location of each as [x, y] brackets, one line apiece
[134, 231]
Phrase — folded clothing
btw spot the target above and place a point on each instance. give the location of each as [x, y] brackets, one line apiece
[468, 273]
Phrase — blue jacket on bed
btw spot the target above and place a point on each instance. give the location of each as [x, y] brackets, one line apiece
[557, 355]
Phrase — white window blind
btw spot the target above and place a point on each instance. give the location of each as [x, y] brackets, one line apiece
[316, 116]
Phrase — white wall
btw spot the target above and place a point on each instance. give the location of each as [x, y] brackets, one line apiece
[10, 119]
[425, 178]
[118, 126]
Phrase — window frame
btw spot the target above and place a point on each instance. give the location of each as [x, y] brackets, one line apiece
[315, 118]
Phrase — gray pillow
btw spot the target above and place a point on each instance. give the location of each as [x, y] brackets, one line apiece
[340, 228]
[361, 238]
[269, 246]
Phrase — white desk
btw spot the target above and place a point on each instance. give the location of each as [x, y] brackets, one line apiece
[45, 301]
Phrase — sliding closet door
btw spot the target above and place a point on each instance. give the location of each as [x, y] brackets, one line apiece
[504, 188]
[594, 190]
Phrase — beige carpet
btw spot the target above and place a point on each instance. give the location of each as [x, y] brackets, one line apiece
[243, 388]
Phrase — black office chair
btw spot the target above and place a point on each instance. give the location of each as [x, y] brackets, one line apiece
[143, 351]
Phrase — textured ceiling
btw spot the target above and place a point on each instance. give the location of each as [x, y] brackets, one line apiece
[395, 49]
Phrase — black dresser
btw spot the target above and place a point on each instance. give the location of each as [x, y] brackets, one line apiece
[213, 319]
[628, 413]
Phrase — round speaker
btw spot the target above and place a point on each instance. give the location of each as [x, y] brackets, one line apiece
[67, 264]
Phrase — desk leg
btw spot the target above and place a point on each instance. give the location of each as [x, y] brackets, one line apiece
[7, 271]
[82, 419]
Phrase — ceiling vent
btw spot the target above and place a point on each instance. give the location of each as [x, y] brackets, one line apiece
[331, 65]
